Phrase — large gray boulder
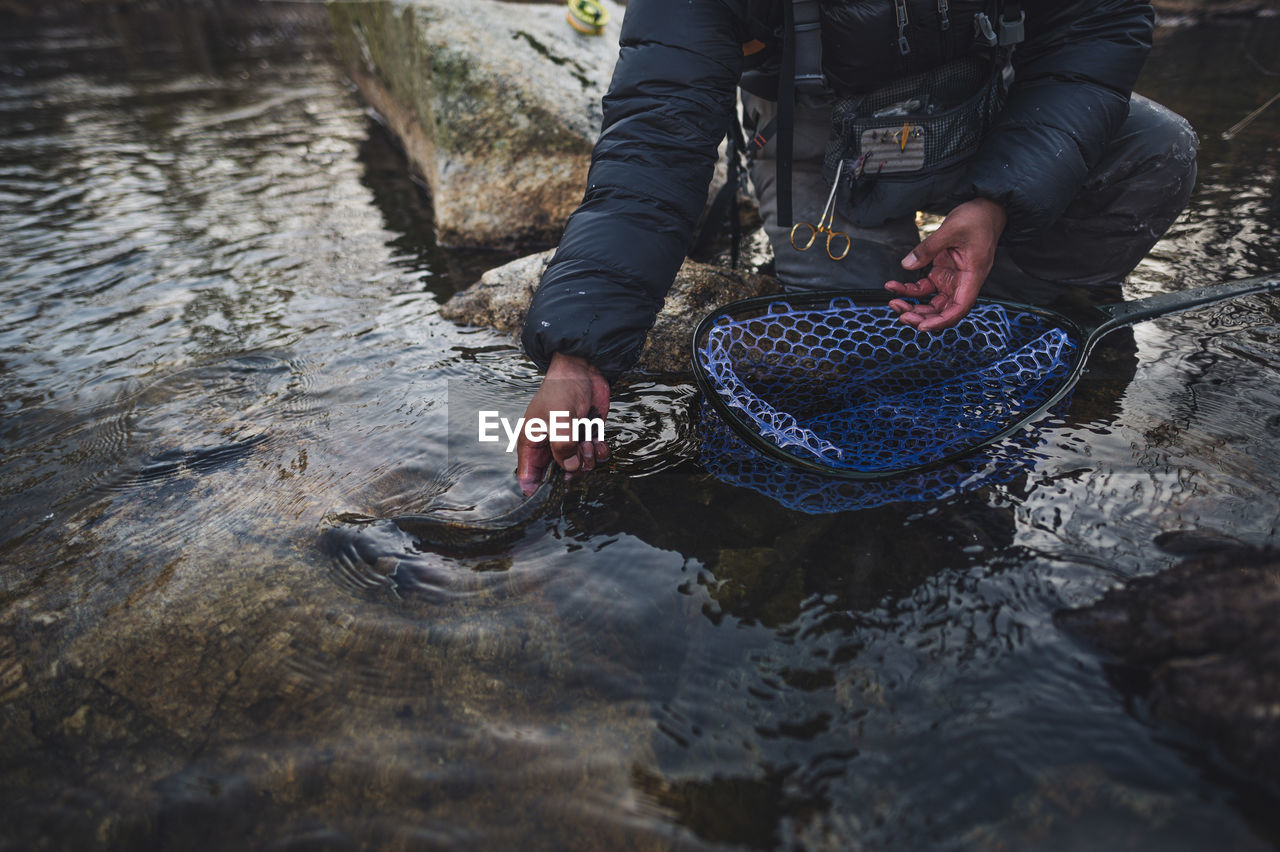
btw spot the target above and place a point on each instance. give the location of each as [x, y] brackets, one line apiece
[500, 299]
[497, 106]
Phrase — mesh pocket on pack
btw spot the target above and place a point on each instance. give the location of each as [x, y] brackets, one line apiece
[924, 122]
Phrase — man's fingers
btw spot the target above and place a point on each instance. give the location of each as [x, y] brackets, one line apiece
[950, 309]
[930, 307]
[909, 312]
[923, 254]
[531, 465]
[918, 308]
[572, 386]
[574, 456]
[567, 456]
[960, 252]
[943, 320]
[923, 287]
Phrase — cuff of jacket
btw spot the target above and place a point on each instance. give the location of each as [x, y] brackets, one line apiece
[603, 289]
[594, 314]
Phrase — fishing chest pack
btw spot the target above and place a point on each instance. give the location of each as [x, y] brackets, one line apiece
[898, 143]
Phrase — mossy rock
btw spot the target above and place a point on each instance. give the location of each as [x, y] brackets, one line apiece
[496, 104]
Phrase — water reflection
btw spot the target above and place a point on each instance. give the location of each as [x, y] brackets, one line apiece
[1213, 75]
[219, 330]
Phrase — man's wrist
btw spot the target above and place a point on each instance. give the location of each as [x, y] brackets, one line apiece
[994, 211]
[564, 365]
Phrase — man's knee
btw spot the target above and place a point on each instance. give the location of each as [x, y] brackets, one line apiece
[1129, 200]
[1167, 135]
[1154, 154]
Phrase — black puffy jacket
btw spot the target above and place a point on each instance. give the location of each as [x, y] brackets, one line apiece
[670, 102]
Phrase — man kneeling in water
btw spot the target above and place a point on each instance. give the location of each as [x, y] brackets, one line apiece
[1018, 123]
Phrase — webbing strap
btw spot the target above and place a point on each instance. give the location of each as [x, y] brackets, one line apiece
[808, 29]
[734, 183]
[801, 72]
[786, 112]
[760, 138]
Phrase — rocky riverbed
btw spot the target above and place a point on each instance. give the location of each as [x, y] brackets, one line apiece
[1200, 645]
[221, 330]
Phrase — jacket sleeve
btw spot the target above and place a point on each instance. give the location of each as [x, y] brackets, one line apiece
[1073, 77]
[669, 105]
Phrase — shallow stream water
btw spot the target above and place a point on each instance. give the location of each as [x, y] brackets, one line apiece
[219, 332]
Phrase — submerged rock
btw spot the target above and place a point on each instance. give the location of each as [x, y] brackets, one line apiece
[500, 300]
[1204, 641]
[1198, 10]
[496, 104]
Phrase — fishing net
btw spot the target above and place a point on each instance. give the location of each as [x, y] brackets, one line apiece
[842, 386]
[730, 459]
[831, 402]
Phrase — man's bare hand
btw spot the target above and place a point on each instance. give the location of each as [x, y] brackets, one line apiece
[962, 252]
[571, 385]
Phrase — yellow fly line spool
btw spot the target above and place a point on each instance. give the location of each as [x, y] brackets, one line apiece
[587, 16]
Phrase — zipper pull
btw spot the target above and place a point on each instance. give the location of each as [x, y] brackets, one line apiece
[983, 30]
[900, 9]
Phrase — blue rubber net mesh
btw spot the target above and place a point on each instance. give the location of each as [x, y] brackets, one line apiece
[731, 459]
[847, 386]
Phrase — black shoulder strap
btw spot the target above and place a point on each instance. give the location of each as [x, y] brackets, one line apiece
[786, 114]
[801, 72]
[808, 35]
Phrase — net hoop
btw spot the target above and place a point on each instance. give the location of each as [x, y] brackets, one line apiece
[1082, 335]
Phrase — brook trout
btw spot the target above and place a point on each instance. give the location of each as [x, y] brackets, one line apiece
[438, 532]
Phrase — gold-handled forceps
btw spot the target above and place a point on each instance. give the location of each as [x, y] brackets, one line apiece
[804, 234]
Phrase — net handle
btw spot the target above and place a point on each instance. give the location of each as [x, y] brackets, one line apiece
[1123, 314]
